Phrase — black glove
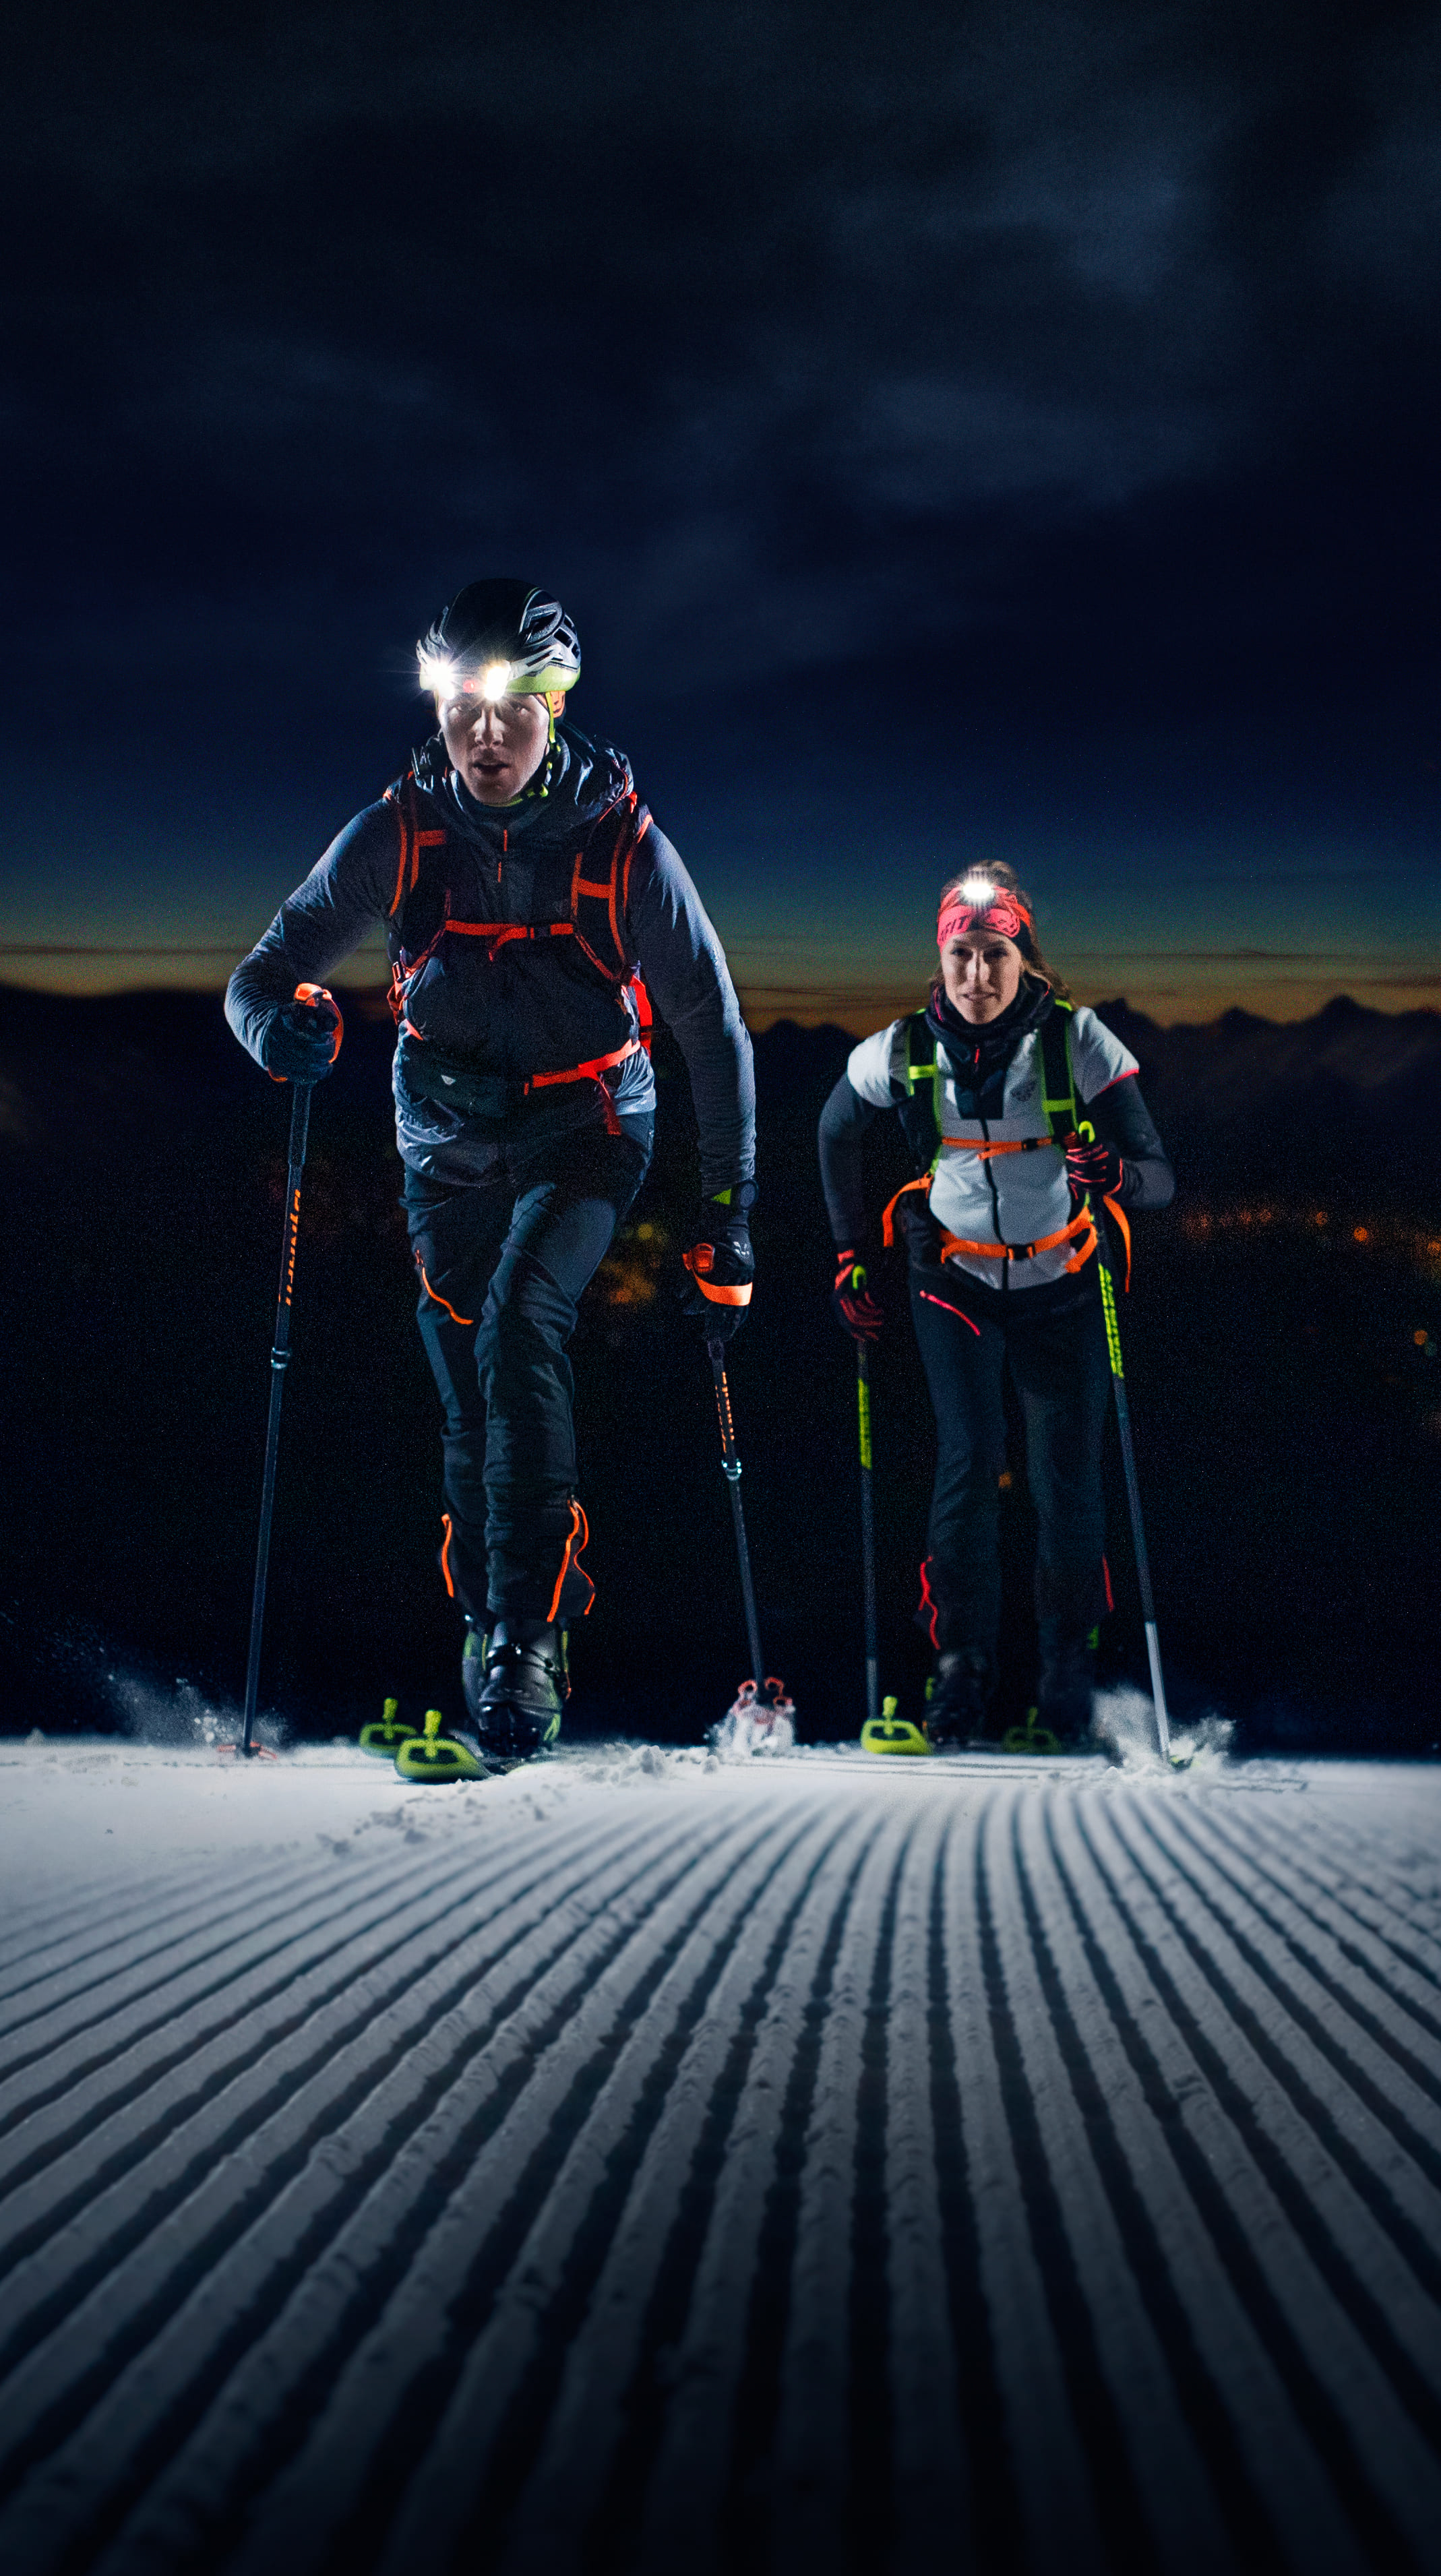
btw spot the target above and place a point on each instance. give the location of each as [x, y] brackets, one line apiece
[855, 1308]
[721, 1265]
[1094, 1166]
[303, 1040]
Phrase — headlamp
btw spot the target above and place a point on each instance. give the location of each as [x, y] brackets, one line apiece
[448, 680]
[438, 676]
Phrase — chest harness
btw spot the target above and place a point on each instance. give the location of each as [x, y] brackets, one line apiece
[915, 1095]
[594, 918]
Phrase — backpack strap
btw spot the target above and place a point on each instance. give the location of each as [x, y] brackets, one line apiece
[405, 800]
[913, 1092]
[599, 893]
[1058, 1081]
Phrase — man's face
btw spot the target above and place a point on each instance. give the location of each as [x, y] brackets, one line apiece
[496, 745]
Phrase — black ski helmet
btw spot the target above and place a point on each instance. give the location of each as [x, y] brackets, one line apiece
[504, 637]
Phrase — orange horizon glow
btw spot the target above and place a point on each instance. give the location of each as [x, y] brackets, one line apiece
[1165, 991]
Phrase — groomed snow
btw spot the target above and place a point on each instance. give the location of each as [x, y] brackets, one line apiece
[653, 2162]
[71, 1807]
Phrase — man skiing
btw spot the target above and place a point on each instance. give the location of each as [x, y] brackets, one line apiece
[1022, 1113]
[532, 912]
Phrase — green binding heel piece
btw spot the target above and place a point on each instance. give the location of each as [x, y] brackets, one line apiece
[889, 1733]
[1030, 1738]
[386, 1734]
[436, 1757]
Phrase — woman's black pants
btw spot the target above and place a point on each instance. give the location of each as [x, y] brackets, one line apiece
[1060, 1372]
[502, 1265]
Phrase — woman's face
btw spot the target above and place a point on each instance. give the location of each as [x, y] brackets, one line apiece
[497, 747]
[981, 973]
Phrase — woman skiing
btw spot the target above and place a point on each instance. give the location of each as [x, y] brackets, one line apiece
[532, 910]
[1023, 1115]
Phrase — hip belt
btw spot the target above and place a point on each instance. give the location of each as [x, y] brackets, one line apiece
[453, 1084]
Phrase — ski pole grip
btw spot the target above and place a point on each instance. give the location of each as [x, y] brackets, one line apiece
[319, 999]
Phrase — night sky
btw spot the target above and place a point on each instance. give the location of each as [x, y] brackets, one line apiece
[959, 431]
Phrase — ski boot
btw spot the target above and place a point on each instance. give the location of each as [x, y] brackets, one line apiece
[1063, 1698]
[516, 1681]
[958, 1696]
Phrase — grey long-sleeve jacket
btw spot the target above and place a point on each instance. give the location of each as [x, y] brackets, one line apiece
[509, 1010]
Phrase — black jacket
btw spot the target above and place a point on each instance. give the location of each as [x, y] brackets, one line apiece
[524, 1007]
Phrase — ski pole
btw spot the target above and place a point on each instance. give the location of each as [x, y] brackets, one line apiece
[312, 994]
[731, 1469]
[279, 1359]
[868, 1534]
[1133, 1490]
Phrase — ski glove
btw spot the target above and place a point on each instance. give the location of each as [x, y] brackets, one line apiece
[721, 1265]
[856, 1309]
[303, 1040]
[1095, 1167]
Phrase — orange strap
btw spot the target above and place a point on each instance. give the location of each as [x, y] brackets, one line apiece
[594, 1071]
[590, 1072]
[1022, 1145]
[1082, 1224]
[698, 1261]
[445, 1554]
[888, 1220]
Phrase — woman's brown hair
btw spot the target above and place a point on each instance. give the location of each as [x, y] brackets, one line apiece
[1000, 875]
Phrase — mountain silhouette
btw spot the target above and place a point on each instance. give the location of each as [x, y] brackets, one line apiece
[1283, 1377]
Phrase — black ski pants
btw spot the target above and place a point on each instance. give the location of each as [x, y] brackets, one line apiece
[502, 1265]
[1060, 1371]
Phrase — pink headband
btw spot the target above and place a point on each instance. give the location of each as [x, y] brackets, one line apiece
[1002, 914]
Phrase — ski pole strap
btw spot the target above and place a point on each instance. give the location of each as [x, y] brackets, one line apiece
[1119, 1213]
[1086, 1133]
[700, 1262]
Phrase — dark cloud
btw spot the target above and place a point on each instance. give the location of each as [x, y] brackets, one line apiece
[1078, 360]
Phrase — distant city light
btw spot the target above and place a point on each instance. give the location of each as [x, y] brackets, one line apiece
[1361, 1234]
